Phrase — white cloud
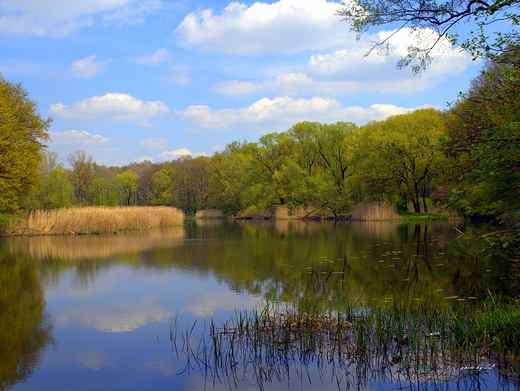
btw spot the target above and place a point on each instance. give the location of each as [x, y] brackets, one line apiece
[78, 137]
[167, 155]
[286, 26]
[113, 107]
[179, 74]
[160, 56]
[87, 67]
[143, 158]
[348, 70]
[279, 114]
[62, 17]
[153, 143]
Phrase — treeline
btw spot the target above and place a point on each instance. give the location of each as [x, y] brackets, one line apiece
[466, 158]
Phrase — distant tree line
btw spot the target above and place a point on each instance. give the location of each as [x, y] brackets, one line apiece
[466, 158]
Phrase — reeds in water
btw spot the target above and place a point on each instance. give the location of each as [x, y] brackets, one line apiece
[415, 342]
[98, 220]
[367, 211]
[209, 214]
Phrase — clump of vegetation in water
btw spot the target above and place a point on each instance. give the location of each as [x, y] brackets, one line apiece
[94, 220]
[417, 341]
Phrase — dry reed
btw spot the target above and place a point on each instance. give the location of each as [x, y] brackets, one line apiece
[100, 220]
[367, 211]
[209, 214]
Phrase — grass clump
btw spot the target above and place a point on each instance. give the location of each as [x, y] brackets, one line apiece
[420, 342]
[97, 220]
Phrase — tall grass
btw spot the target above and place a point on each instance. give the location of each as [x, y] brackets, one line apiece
[366, 211]
[209, 214]
[97, 220]
[419, 342]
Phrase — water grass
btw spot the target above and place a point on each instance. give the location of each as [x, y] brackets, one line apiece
[414, 342]
[374, 211]
[209, 214]
[95, 220]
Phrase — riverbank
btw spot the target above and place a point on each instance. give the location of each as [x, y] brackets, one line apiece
[90, 220]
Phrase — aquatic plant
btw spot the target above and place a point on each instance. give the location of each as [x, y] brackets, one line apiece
[416, 342]
[97, 220]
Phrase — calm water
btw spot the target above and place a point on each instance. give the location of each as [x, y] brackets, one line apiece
[95, 313]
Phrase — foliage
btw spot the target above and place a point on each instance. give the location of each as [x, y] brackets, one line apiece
[402, 158]
[442, 18]
[82, 174]
[22, 131]
[484, 128]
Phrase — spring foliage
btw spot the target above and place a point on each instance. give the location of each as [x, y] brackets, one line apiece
[22, 133]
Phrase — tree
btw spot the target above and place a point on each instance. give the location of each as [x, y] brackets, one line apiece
[82, 174]
[405, 152]
[484, 130]
[441, 18]
[126, 186]
[57, 190]
[22, 133]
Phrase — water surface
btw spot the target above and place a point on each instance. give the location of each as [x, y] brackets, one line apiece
[96, 312]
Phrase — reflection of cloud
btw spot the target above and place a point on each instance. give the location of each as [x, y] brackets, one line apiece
[93, 359]
[165, 367]
[116, 319]
[206, 303]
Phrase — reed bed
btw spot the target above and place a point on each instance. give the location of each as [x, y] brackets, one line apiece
[98, 220]
[367, 211]
[419, 344]
[209, 214]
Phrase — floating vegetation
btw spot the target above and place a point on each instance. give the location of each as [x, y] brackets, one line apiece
[415, 343]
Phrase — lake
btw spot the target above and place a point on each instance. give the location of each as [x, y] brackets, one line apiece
[135, 311]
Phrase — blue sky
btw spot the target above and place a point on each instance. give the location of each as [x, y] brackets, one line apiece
[129, 80]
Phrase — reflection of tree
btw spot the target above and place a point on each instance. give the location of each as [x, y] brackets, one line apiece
[25, 329]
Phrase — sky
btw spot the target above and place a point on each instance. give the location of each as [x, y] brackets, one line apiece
[134, 80]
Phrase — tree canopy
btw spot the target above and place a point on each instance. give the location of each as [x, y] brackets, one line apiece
[442, 17]
[22, 133]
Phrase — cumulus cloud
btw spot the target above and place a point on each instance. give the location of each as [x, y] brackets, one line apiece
[286, 26]
[87, 67]
[169, 155]
[349, 70]
[113, 107]
[279, 114]
[78, 137]
[63, 17]
[160, 56]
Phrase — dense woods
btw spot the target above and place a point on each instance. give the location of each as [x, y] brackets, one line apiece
[465, 159]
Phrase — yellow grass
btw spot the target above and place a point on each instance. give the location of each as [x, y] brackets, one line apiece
[370, 211]
[209, 214]
[100, 220]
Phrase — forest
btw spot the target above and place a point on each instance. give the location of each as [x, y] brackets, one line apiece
[466, 158]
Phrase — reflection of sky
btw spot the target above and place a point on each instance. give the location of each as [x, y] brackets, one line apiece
[122, 299]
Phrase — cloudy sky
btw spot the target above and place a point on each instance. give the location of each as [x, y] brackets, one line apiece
[130, 80]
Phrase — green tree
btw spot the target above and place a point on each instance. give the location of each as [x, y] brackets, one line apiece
[405, 152]
[443, 17]
[22, 133]
[126, 187]
[484, 129]
[103, 192]
[82, 174]
[57, 190]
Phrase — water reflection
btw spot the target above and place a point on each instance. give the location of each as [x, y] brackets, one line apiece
[109, 301]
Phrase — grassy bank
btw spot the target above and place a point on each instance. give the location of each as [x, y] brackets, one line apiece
[91, 220]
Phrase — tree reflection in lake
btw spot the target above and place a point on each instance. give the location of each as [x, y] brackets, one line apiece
[25, 329]
[110, 299]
